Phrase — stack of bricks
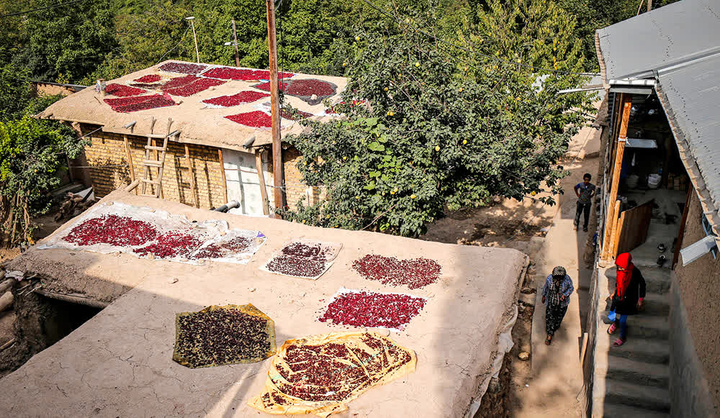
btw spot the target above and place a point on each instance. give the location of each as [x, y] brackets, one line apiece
[108, 158]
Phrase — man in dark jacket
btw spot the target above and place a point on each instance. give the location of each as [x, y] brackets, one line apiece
[628, 296]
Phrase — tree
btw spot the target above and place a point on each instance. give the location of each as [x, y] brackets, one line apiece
[427, 126]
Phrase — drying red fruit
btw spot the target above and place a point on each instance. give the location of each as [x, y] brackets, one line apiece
[415, 273]
[171, 244]
[246, 96]
[123, 91]
[368, 309]
[150, 78]
[244, 74]
[115, 230]
[255, 119]
[183, 68]
[133, 104]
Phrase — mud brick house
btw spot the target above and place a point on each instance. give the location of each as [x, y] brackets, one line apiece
[660, 201]
[212, 123]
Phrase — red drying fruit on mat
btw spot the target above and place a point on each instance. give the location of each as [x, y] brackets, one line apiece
[115, 230]
[123, 91]
[297, 266]
[368, 309]
[243, 74]
[246, 96]
[234, 246]
[415, 273]
[256, 119]
[295, 115]
[308, 87]
[177, 67]
[171, 244]
[150, 78]
[189, 85]
[266, 86]
[133, 104]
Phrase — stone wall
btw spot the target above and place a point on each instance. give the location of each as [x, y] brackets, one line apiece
[695, 328]
[109, 170]
[295, 188]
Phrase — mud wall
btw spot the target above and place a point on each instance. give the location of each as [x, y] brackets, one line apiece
[695, 328]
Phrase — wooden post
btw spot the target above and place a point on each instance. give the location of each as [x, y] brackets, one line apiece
[129, 158]
[616, 231]
[237, 54]
[261, 178]
[681, 232]
[610, 220]
[222, 171]
[275, 109]
[193, 186]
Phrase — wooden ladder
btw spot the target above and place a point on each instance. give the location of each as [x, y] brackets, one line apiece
[154, 158]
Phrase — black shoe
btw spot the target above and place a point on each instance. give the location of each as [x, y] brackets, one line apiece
[585, 229]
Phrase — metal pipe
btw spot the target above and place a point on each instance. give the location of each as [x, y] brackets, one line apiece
[229, 205]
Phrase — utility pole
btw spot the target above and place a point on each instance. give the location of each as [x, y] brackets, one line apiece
[275, 109]
[649, 5]
[197, 51]
[237, 54]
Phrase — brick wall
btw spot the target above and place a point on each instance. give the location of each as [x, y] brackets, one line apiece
[108, 158]
[295, 188]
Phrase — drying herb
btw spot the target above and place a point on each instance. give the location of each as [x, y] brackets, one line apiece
[234, 246]
[171, 244]
[415, 273]
[133, 104]
[296, 266]
[368, 309]
[183, 68]
[123, 91]
[223, 335]
[115, 230]
[246, 96]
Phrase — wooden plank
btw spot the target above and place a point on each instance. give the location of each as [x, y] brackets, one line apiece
[191, 170]
[222, 171]
[681, 232]
[634, 228]
[615, 178]
[261, 178]
[615, 226]
[129, 158]
[275, 109]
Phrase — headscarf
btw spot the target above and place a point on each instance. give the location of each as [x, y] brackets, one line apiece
[623, 260]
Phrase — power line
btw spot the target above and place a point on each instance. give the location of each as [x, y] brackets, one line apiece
[39, 9]
[496, 59]
[175, 47]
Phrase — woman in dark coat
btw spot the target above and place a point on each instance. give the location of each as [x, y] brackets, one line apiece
[628, 296]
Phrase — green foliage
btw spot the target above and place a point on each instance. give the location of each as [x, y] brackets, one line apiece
[426, 128]
[14, 91]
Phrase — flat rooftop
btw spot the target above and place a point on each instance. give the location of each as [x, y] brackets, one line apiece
[119, 363]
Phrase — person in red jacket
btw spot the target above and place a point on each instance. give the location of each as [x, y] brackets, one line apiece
[628, 296]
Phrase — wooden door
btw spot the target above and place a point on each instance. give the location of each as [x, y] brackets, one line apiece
[633, 227]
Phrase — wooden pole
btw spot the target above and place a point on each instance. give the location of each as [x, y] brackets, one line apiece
[681, 232]
[222, 172]
[197, 51]
[237, 53]
[275, 109]
[616, 231]
[611, 219]
[129, 158]
[261, 178]
[193, 186]
[649, 5]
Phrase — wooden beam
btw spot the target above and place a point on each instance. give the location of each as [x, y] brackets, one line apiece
[616, 231]
[613, 214]
[222, 172]
[261, 178]
[275, 109]
[681, 232]
[129, 158]
[191, 171]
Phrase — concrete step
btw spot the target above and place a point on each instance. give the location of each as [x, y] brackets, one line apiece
[653, 305]
[639, 396]
[613, 410]
[638, 372]
[649, 327]
[656, 280]
[640, 349]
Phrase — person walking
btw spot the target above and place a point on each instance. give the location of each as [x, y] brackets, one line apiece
[585, 192]
[556, 296]
[628, 296]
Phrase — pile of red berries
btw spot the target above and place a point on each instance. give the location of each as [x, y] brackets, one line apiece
[227, 73]
[246, 96]
[368, 309]
[150, 78]
[171, 244]
[255, 119]
[415, 273]
[304, 89]
[234, 246]
[115, 230]
[123, 91]
[183, 68]
[189, 85]
[133, 104]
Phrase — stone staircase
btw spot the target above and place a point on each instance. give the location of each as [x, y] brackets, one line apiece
[632, 380]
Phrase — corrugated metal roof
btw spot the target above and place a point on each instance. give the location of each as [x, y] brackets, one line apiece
[660, 38]
[691, 97]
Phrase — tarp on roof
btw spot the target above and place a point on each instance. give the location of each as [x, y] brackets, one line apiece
[199, 122]
[662, 37]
